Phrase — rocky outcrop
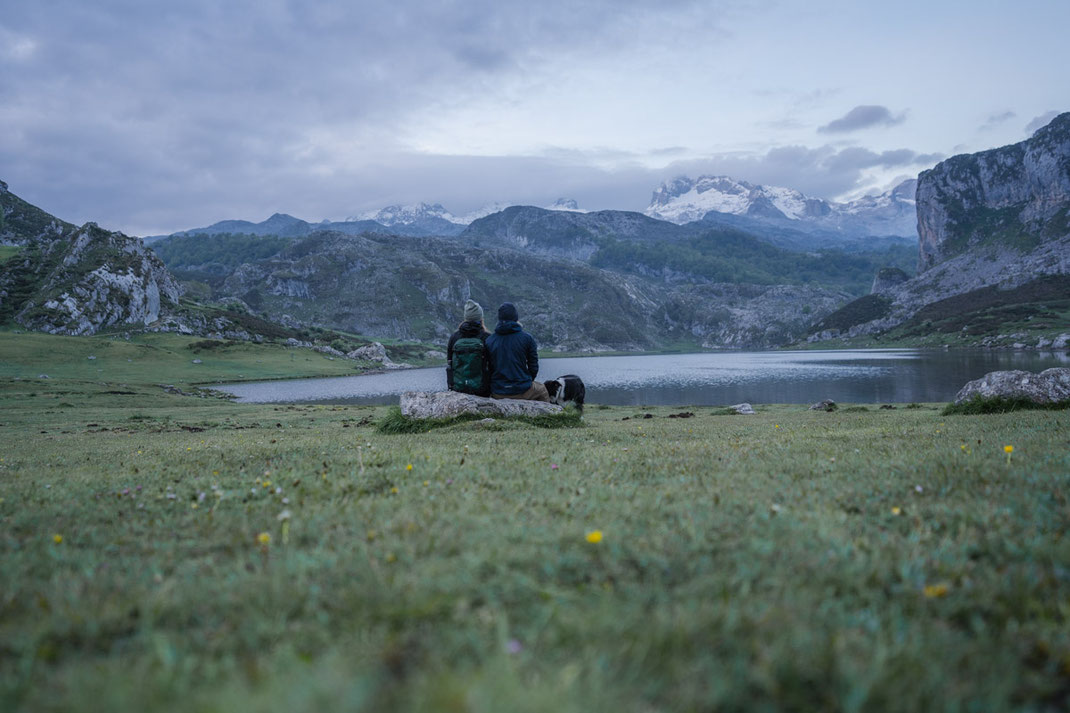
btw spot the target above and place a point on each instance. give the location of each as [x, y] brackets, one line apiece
[376, 352]
[887, 278]
[1011, 197]
[1049, 386]
[81, 282]
[446, 404]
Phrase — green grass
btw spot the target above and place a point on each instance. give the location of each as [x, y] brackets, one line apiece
[1000, 404]
[7, 251]
[891, 560]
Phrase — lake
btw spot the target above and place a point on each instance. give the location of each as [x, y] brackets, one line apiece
[708, 379]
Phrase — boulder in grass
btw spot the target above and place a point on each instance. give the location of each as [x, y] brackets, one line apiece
[743, 408]
[826, 405]
[1048, 387]
[376, 352]
[446, 404]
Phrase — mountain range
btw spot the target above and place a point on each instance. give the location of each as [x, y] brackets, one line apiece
[995, 222]
[782, 216]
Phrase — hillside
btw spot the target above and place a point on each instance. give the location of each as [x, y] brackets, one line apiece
[21, 222]
[413, 288]
[994, 227]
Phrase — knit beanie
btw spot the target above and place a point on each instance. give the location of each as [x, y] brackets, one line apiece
[507, 312]
[472, 311]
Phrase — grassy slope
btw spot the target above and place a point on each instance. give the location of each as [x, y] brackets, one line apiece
[471, 586]
[7, 251]
[158, 358]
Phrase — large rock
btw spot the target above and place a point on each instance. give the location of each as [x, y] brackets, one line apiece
[443, 404]
[1049, 386]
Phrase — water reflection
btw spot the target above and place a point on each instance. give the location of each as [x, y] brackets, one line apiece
[849, 376]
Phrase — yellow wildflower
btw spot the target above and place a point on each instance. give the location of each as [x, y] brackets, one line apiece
[896, 511]
[264, 539]
[408, 467]
[58, 539]
[1008, 449]
[394, 490]
[935, 591]
[594, 536]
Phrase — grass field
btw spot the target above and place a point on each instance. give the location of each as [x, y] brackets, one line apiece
[165, 552]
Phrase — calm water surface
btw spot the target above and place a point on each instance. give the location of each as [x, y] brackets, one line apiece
[849, 376]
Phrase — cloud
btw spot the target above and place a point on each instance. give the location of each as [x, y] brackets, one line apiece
[1040, 121]
[116, 104]
[862, 116]
[996, 119]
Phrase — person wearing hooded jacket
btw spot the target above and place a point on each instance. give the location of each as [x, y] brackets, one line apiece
[515, 358]
[472, 326]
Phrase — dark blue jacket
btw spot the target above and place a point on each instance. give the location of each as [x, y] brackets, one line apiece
[515, 357]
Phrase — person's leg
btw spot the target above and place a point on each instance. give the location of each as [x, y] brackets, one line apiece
[537, 392]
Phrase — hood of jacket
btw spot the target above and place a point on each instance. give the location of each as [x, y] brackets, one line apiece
[507, 326]
[470, 329]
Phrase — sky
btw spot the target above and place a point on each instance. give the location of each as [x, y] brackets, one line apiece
[152, 117]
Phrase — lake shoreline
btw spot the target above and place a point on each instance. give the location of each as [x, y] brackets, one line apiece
[870, 376]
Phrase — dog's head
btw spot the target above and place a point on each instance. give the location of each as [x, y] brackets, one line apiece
[552, 388]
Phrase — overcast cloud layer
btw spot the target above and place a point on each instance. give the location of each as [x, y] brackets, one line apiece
[153, 117]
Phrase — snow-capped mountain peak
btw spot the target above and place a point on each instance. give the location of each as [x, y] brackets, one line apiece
[684, 200]
[406, 214]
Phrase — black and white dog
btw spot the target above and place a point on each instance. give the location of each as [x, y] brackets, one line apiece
[567, 388]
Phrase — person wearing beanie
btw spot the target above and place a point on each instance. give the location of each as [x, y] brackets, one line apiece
[515, 358]
[466, 359]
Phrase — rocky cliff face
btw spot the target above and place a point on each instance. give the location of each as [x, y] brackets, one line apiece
[1014, 197]
[86, 280]
[997, 219]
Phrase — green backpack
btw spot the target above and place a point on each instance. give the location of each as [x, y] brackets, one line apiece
[468, 355]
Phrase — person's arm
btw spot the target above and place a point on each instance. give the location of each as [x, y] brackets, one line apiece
[488, 366]
[449, 361]
[533, 357]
